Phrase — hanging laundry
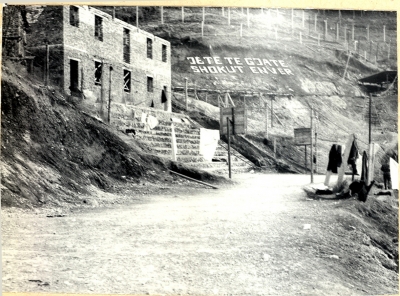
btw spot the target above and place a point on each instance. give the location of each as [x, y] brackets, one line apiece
[394, 173]
[163, 96]
[364, 169]
[152, 121]
[353, 157]
[335, 158]
[143, 118]
[208, 143]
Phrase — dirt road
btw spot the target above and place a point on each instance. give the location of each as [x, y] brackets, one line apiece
[247, 239]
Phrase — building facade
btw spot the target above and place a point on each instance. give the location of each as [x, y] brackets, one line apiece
[91, 52]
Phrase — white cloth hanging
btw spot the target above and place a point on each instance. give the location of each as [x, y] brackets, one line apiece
[208, 143]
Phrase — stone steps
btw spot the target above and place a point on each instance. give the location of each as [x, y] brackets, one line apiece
[159, 140]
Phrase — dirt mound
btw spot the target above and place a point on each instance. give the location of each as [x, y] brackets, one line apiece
[52, 152]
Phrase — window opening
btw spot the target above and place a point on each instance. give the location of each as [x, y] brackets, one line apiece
[74, 75]
[127, 81]
[149, 48]
[149, 84]
[74, 16]
[98, 72]
[164, 53]
[98, 27]
[126, 45]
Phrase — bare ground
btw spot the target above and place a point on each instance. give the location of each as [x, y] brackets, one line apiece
[246, 239]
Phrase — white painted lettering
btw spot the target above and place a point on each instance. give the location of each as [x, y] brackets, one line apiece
[237, 61]
[231, 70]
[217, 60]
[208, 59]
[258, 62]
[282, 62]
[240, 68]
[203, 69]
[191, 60]
[212, 70]
[288, 72]
[199, 60]
[272, 70]
[262, 70]
[275, 62]
[267, 63]
[195, 69]
[281, 71]
[249, 61]
[229, 60]
[221, 69]
[254, 70]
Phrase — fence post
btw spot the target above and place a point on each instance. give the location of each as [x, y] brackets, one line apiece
[315, 22]
[202, 29]
[337, 32]
[186, 94]
[248, 18]
[137, 18]
[229, 15]
[162, 14]
[47, 64]
[183, 14]
[204, 14]
[384, 33]
[368, 33]
[326, 29]
[355, 45]
[389, 49]
[223, 11]
[292, 20]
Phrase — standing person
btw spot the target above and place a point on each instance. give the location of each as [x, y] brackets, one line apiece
[385, 168]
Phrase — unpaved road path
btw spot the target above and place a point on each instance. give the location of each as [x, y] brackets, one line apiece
[247, 239]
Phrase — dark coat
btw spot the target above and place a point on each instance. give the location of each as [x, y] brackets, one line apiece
[335, 158]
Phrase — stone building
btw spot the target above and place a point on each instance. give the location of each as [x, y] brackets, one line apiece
[93, 53]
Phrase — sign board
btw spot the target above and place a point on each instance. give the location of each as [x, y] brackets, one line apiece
[302, 136]
[240, 118]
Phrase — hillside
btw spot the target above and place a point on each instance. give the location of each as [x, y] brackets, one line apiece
[288, 56]
[301, 71]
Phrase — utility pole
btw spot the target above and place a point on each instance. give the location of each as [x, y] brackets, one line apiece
[311, 147]
[370, 114]
[229, 147]
[186, 93]
[109, 96]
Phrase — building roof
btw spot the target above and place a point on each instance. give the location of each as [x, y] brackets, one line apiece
[378, 78]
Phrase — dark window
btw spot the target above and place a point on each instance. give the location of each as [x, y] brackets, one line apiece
[74, 75]
[98, 72]
[127, 81]
[164, 53]
[126, 45]
[98, 28]
[149, 84]
[74, 16]
[149, 48]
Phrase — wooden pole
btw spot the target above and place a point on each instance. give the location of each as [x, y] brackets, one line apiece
[274, 147]
[326, 29]
[229, 147]
[162, 14]
[337, 32]
[204, 14]
[272, 111]
[47, 64]
[311, 147]
[347, 64]
[137, 18]
[186, 94]
[202, 29]
[183, 14]
[305, 159]
[384, 33]
[109, 96]
[316, 149]
[369, 121]
[229, 16]
[368, 33]
[315, 22]
[266, 119]
[389, 49]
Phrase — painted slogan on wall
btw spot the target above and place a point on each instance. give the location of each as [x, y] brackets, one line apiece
[235, 65]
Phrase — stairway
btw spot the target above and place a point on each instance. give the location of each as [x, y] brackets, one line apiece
[188, 143]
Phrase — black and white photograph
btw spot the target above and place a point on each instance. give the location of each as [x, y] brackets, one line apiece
[198, 150]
